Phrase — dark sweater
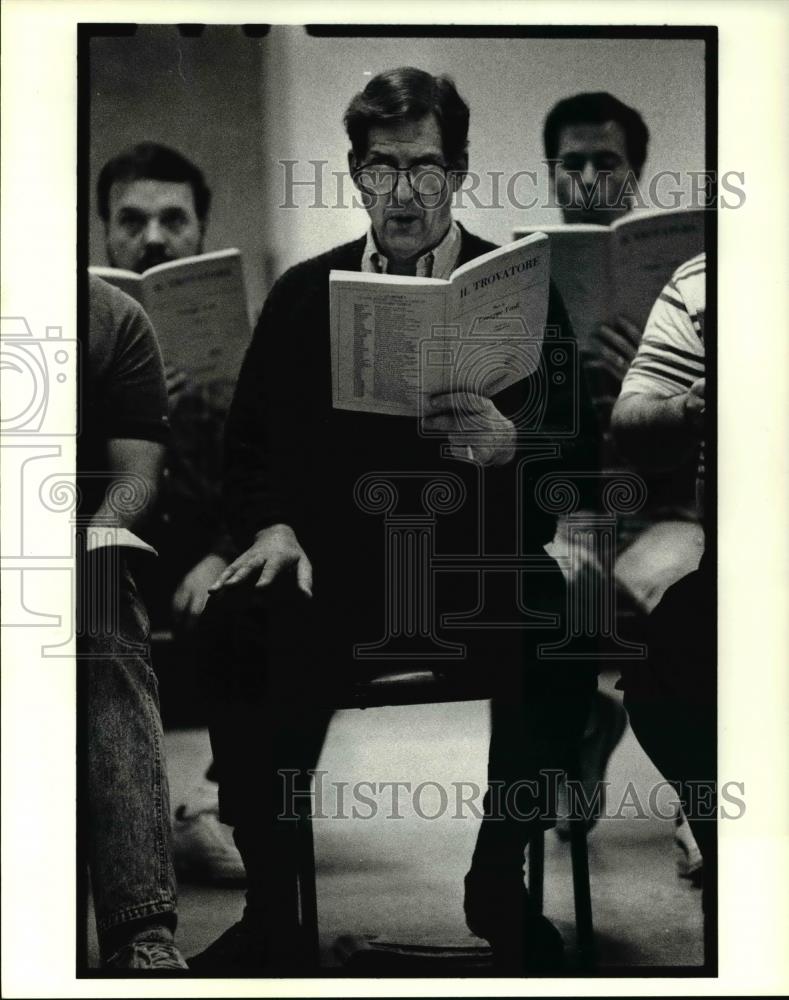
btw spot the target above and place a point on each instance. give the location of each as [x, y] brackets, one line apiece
[291, 458]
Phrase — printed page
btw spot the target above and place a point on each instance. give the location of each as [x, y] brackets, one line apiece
[102, 536]
[581, 272]
[127, 281]
[498, 305]
[648, 249]
[198, 309]
[378, 324]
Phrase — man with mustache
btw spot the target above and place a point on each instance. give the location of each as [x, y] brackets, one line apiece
[155, 205]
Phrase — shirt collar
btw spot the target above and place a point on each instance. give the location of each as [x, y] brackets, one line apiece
[439, 262]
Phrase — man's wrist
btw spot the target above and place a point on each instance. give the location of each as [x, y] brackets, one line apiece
[278, 528]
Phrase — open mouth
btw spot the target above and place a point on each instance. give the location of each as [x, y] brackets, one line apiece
[403, 218]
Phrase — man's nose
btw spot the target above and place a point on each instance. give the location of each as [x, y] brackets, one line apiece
[403, 190]
[588, 174]
[154, 233]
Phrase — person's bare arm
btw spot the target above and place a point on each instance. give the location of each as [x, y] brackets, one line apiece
[658, 432]
[134, 466]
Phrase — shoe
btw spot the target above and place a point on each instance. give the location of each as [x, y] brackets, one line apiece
[203, 848]
[147, 955]
[499, 910]
[610, 722]
[241, 951]
[690, 863]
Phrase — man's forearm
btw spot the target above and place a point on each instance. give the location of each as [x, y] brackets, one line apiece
[653, 432]
[135, 467]
[128, 502]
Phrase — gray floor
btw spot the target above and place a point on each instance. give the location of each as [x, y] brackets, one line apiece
[401, 878]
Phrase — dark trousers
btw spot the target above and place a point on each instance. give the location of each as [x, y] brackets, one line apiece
[671, 700]
[268, 694]
[540, 704]
[275, 664]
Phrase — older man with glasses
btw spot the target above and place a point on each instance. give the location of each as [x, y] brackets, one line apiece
[310, 584]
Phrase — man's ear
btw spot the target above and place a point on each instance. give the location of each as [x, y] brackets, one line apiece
[353, 165]
[458, 172]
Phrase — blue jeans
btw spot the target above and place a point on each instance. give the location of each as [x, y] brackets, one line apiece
[123, 791]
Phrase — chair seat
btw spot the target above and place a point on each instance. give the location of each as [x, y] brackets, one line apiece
[411, 687]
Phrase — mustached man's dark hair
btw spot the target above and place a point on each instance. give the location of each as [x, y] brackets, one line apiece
[152, 161]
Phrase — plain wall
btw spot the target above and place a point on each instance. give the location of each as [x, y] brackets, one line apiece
[509, 84]
[240, 106]
[203, 97]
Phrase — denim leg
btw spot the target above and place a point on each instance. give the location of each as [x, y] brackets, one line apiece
[124, 793]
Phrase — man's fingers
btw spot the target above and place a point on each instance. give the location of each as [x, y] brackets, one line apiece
[222, 578]
[235, 573]
[179, 603]
[304, 575]
[464, 451]
[271, 569]
[440, 422]
[459, 401]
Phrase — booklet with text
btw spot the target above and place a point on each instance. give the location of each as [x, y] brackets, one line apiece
[619, 270]
[395, 340]
[198, 308]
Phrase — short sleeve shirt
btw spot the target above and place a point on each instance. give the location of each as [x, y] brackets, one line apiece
[671, 355]
[122, 390]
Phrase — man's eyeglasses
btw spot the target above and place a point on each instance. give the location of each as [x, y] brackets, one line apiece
[428, 180]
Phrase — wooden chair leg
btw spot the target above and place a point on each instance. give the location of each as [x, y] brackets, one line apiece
[582, 893]
[308, 898]
[537, 869]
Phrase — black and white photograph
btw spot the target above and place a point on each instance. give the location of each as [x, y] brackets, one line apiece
[389, 460]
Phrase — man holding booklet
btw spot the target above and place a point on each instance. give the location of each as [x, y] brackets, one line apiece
[610, 265]
[376, 385]
[155, 204]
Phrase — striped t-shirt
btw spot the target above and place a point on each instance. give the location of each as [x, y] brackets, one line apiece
[671, 355]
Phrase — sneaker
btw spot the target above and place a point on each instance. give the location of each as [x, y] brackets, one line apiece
[203, 848]
[689, 860]
[240, 951]
[610, 721]
[500, 911]
[146, 955]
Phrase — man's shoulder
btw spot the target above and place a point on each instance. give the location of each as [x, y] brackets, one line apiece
[346, 257]
[109, 306]
[115, 319]
[472, 246]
